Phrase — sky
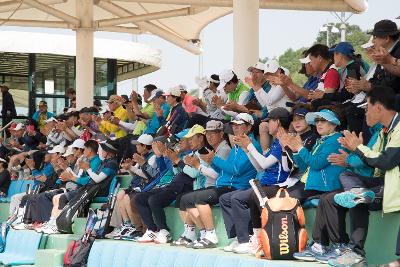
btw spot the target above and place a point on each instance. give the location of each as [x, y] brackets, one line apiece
[279, 30]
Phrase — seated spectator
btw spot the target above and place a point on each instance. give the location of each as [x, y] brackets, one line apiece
[177, 118]
[234, 174]
[151, 204]
[5, 178]
[143, 167]
[302, 93]
[320, 175]
[207, 105]
[384, 156]
[385, 41]
[161, 111]
[236, 91]
[236, 204]
[42, 114]
[214, 135]
[116, 109]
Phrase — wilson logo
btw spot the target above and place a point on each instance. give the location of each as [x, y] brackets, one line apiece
[284, 237]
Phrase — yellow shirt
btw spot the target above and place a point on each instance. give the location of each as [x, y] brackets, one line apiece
[107, 127]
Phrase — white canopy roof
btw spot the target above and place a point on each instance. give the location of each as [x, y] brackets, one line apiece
[58, 44]
[177, 21]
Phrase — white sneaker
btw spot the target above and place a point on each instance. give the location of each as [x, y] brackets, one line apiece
[234, 243]
[113, 233]
[254, 245]
[51, 230]
[17, 221]
[163, 237]
[41, 228]
[242, 248]
[147, 237]
[20, 226]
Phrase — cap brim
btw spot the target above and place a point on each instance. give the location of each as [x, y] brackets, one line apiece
[304, 60]
[238, 122]
[311, 116]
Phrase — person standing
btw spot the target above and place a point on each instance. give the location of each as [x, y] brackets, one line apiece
[8, 111]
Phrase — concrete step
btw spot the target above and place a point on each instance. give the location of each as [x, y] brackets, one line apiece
[49, 258]
[60, 241]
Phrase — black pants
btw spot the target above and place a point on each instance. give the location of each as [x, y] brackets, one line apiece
[359, 215]
[151, 204]
[42, 205]
[298, 191]
[254, 204]
[330, 221]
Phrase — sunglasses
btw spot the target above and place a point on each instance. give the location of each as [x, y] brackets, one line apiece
[322, 120]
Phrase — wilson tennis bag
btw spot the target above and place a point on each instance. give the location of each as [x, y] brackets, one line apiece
[283, 227]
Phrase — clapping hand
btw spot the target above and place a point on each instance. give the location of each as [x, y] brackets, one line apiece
[172, 155]
[192, 161]
[84, 165]
[294, 143]
[139, 159]
[350, 140]
[218, 101]
[243, 141]
[317, 94]
[339, 159]
[126, 164]
[208, 157]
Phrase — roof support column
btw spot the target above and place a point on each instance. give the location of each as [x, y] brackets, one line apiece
[84, 55]
[245, 35]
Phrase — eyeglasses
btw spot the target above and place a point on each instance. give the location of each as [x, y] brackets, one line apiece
[321, 120]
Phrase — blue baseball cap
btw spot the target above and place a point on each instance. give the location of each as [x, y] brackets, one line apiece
[344, 48]
[300, 112]
[180, 135]
[324, 113]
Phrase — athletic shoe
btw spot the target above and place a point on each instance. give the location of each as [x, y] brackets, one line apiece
[181, 242]
[334, 252]
[255, 245]
[125, 232]
[17, 221]
[149, 236]
[310, 253]
[51, 230]
[204, 243]
[133, 236]
[163, 237]
[20, 226]
[112, 233]
[42, 227]
[234, 243]
[242, 248]
[355, 196]
[348, 258]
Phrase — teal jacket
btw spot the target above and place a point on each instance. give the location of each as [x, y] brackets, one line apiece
[236, 170]
[355, 163]
[322, 175]
[94, 163]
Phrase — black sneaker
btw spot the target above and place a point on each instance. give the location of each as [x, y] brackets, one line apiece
[133, 235]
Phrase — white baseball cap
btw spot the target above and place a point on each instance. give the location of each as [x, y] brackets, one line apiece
[18, 126]
[369, 44]
[68, 152]
[51, 119]
[243, 118]
[271, 66]
[305, 60]
[57, 149]
[174, 91]
[225, 77]
[144, 139]
[155, 93]
[78, 143]
[258, 65]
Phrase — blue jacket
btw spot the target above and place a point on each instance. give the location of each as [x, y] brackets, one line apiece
[236, 170]
[354, 161]
[322, 175]
[155, 122]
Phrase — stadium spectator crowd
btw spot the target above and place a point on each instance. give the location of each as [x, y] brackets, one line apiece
[335, 138]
